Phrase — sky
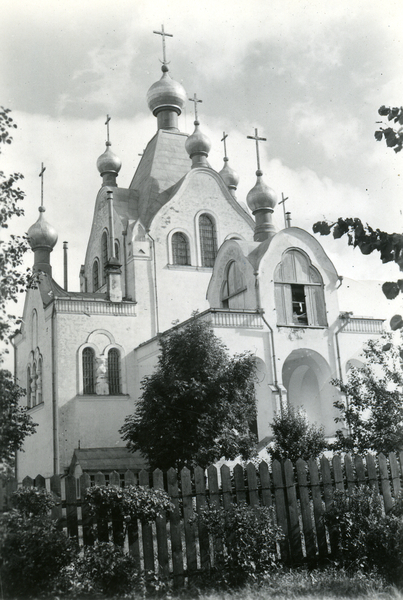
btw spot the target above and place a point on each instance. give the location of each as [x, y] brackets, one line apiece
[309, 75]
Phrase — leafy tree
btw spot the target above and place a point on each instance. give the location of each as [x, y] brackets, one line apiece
[393, 137]
[198, 405]
[374, 410]
[294, 437]
[15, 423]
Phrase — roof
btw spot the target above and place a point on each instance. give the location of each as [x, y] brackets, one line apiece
[164, 162]
[107, 459]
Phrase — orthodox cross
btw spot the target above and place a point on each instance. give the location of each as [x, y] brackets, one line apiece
[257, 139]
[195, 100]
[282, 201]
[164, 35]
[224, 137]
[43, 169]
[108, 118]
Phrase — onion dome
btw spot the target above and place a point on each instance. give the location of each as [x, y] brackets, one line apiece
[261, 196]
[108, 161]
[198, 146]
[166, 94]
[41, 234]
[229, 176]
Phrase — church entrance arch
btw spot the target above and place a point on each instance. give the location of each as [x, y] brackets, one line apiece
[306, 377]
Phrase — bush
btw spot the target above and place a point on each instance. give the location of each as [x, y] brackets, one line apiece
[102, 569]
[33, 553]
[249, 542]
[294, 437]
[32, 502]
[367, 539]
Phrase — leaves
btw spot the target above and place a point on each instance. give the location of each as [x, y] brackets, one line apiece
[392, 137]
[197, 406]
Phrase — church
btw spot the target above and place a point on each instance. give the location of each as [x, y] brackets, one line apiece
[176, 241]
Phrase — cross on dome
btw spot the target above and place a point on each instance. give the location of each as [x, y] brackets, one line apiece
[108, 118]
[224, 137]
[195, 100]
[43, 169]
[164, 35]
[257, 139]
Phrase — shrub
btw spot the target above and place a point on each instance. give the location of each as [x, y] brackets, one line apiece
[32, 501]
[102, 569]
[367, 538]
[249, 542]
[294, 437]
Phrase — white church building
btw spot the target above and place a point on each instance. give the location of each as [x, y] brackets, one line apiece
[178, 240]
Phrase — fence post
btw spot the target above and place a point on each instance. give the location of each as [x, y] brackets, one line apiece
[385, 483]
[133, 527]
[214, 495]
[87, 521]
[187, 498]
[372, 473]
[265, 484]
[71, 506]
[307, 524]
[161, 528]
[328, 494]
[252, 484]
[281, 508]
[294, 531]
[176, 535]
[349, 473]
[226, 487]
[147, 530]
[200, 487]
[318, 510]
[117, 517]
[394, 469]
[102, 521]
[239, 484]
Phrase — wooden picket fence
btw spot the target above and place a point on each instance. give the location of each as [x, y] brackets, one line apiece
[177, 547]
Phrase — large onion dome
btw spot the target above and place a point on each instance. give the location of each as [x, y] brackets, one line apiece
[108, 161]
[229, 176]
[261, 196]
[166, 94]
[41, 234]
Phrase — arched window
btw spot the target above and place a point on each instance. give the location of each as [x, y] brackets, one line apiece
[233, 291]
[88, 371]
[95, 275]
[208, 240]
[29, 399]
[104, 254]
[114, 371]
[299, 292]
[34, 401]
[34, 329]
[117, 249]
[180, 249]
[39, 382]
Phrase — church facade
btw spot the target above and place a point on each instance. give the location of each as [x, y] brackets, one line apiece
[175, 242]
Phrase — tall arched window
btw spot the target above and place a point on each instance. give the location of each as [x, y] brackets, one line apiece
[233, 290]
[114, 371]
[39, 395]
[95, 275]
[117, 249]
[104, 254]
[208, 240]
[34, 400]
[88, 371]
[180, 249]
[299, 291]
[29, 399]
[34, 329]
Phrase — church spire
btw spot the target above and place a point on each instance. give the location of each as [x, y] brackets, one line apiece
[42, 237]
[261, 200]
[166, 98]
[108, 164]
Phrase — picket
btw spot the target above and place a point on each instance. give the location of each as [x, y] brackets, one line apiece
[348, 464]
[318, 509]
[87, 521]
[240, 491]
[102, 523]
[306, 513]
[372, 472]
[187, 503]
[360, 470]
[40, 482]
[133, 528]
[293, 513]
[226, 487]
[265, 484]
[214, 499]
[147, 530]
[200, 490]
[338, 472]
[161, 530]
[385, 483]
[395, 473]
[70, 483]
[328, 495]
[55, 486]
[175, 525]
[281, 510]
[252, 484]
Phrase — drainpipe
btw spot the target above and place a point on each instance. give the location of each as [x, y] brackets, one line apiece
[155, 283]
[124, 234]
[271, 333]
[54, 395]
[15, 381]
[65, 265]
[344, 319]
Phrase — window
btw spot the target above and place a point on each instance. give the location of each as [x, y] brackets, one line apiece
[88, 371]
[208, 240]
[29, 399]
[180, 249]
[114, 371]
[233, 291]
[33, 386]
[95, 275]
[39, 382]
[299, 292]
[104, 253]
[117, 249]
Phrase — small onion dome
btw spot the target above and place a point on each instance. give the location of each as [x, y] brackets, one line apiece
[261, 196]
[108, 162]
[197, 143]
[41, 234]
[166, 94]
[229, 176]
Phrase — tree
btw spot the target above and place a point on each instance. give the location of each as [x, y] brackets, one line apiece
[373, 412]
[294, 437]
[15, 423]
[199, 404]
[392, 137]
